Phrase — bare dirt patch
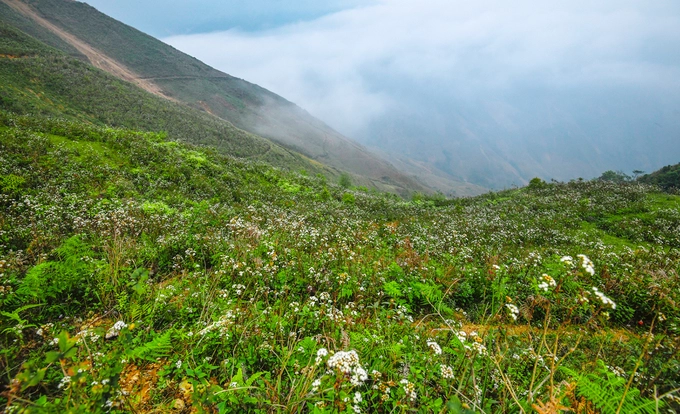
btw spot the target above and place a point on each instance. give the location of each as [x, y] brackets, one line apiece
[96, 58]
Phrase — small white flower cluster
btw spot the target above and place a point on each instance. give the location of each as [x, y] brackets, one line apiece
[462, 336]
[315, 385]
[115, 329]
[534, 259]
[222, 325]
[409, 389]
[44, 329]
[357, 400]
[547, 282]
[447, 371]
[87, 334]
[402, 314]
[514, 311]
[567, 260]
[618, 371]
[322, 352]
[477, 345]
[347, 362]
[605, 300]
[238, 289]
[434, 347]
[586, 264]
[64, 382]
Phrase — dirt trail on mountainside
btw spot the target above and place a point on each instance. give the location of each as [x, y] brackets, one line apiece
[96, 58]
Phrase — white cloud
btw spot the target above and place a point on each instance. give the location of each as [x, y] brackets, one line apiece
[351, 66]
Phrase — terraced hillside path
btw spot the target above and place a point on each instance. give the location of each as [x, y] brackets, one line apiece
[96, 58]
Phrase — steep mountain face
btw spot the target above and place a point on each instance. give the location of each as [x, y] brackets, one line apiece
[86, 34]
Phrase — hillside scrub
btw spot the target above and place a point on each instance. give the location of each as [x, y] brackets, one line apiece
[139, 274]
[667, 178]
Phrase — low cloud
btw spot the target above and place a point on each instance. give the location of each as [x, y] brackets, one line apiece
[352, 66]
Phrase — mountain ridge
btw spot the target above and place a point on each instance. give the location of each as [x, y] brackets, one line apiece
[163, 70]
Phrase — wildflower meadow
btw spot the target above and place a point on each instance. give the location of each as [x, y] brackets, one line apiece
[143, 275]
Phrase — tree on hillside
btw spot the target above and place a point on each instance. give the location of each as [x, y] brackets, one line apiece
[614, 176]
[637, 173]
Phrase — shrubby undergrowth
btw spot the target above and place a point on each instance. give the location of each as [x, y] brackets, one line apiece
[139, 274]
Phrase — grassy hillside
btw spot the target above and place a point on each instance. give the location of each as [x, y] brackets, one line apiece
[11, 17]
[143, 275]
[38, 79]
[246, 105]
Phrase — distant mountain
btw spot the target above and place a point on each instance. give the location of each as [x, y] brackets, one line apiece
[88, 35]
[506, 140]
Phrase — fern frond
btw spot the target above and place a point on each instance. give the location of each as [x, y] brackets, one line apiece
[159, 347]
[605, 391]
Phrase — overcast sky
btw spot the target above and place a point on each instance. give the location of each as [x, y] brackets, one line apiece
[349, 61]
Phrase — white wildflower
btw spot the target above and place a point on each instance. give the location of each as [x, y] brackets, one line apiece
[586, 264]
[568, 260]
[115, 329]
[322, 352]
[514, 311]
[604, 299]
[409, 389]
[64, 382]
[434, 347]
[547, 282]
[347, 362]
[315, 385]
[446, 371]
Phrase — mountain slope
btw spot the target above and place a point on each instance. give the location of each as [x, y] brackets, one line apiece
[168, 72]
[37, 79]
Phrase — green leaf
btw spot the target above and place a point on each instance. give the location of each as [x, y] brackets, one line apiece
[253, 378]
[37, 377]
[52, 356]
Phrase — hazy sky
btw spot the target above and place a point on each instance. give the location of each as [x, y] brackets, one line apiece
[350, 62]
[170, 17]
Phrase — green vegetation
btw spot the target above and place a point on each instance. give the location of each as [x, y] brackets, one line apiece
[667, 178]
[155, 259]
[10, 17]
[41, 80]
[345, 180]
[140, 274]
